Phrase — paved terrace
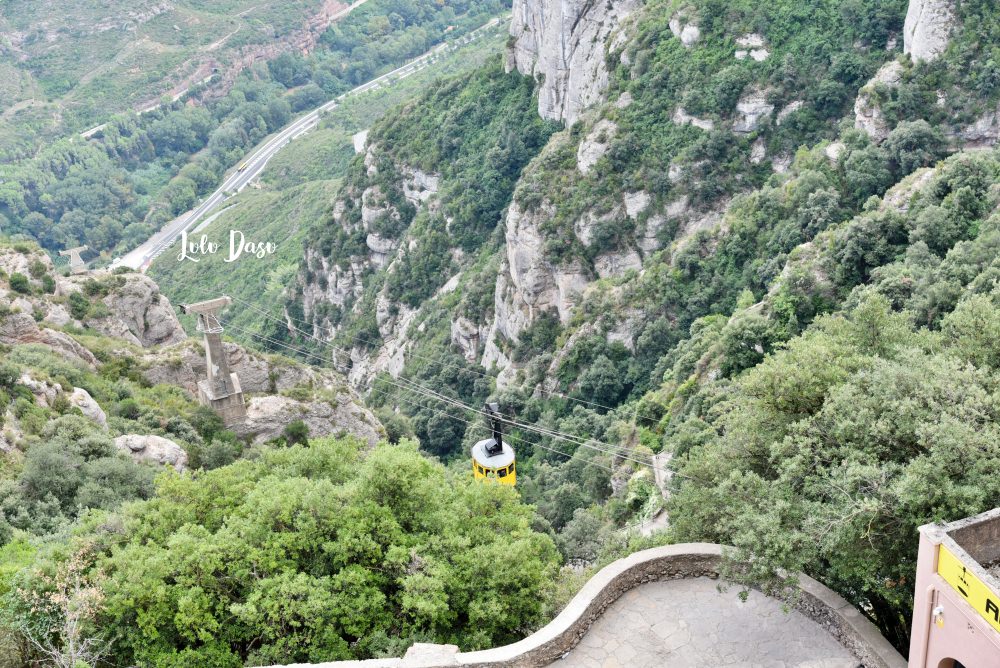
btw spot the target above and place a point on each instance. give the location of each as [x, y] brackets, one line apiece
[691, 624]
[662, 607]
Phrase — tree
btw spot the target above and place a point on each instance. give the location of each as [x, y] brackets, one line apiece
[312, 554]
[602, 382]
[59, 612]
[914, 144]
[827, 456]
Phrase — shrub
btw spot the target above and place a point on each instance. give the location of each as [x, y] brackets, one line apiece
[19, 283]
[37, 269]
[296, 433]
[9, 375]
[79, 306]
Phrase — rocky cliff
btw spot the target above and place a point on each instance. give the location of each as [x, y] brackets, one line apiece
[126, 315]
[564, 46]
[928, 28]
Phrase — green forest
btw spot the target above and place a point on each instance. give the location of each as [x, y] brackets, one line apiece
[139, 172]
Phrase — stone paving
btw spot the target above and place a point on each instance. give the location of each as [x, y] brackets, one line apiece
[690, 624]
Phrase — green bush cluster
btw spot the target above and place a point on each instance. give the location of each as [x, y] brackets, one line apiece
[311, 554]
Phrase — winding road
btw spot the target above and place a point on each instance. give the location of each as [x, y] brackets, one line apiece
[250, 168]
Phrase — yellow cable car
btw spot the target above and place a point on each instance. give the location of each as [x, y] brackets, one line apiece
[492, 459]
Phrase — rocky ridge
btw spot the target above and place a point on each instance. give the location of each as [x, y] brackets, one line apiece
[562, 44]
[139, 322]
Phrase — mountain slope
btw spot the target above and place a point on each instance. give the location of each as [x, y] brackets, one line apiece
[742, 159]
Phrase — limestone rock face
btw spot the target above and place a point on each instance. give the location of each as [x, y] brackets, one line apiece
[268, 416]
[614, 265]
[467, 337]
[681, 117]
[595, 145]
[529, 284]
[687, 33]
[751, 110]
[418, 186]
[184, 366]
[381, 249]
[982, 133]
[868, 115]
[563, 43]
[927, 28]
[139, 314]
[751, 45]
[19, 328]
[636, 203]
[90, 408]
[153, 449]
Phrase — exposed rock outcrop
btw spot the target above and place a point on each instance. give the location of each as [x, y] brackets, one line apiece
[595, 145]
[752, 46]
[139, 314]
[184, 366]
[20, 328]
[468, 337]
[687, 33]
[681, 117]
[563, 44]
[868, 114]
[982, 133]
[418, 186]
[91, 410]
[751, 110]
[615, 264]
[268, 416]
[927, 28]
[529, 284]
[153, 449]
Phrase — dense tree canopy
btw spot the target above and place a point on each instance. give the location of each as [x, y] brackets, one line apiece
[313, 554]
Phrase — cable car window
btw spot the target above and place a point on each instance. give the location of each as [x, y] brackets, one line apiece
[502, 472]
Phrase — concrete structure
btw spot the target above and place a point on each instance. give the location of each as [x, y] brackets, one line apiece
[956, 602]
[221, 390]
[846, 634]
[76, 263]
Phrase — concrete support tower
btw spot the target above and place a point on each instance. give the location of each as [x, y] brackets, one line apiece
[76, 263]
[221, 390]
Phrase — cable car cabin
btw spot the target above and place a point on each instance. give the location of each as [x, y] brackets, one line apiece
[492, 459]
[499, 466]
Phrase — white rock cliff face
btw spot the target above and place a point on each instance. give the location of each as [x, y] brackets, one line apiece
[563, 42]
[529, 284]
[928, 28]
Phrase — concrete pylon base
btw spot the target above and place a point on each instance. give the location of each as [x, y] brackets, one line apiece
[230, 407]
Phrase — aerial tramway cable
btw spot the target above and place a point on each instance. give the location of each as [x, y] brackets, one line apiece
[358, 338]
[406, 384]
[432, 397]
[420, 388]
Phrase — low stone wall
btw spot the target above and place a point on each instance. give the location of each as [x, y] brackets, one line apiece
[686, 560]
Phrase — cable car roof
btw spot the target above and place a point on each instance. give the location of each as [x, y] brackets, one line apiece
[504, 458]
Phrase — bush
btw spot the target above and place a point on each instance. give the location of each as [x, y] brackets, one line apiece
[48, 284]
[9, 375]
[37, 269]
[79, 305]
[19, 283]
[296, 433]
[128, 409]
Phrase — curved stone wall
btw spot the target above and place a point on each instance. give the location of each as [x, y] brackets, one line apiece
[686, 560]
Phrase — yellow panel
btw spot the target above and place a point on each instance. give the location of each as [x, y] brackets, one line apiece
[976, 593]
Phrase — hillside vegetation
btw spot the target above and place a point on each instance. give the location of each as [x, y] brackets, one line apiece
[749, 277]
[140, 171]
[294, 198]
